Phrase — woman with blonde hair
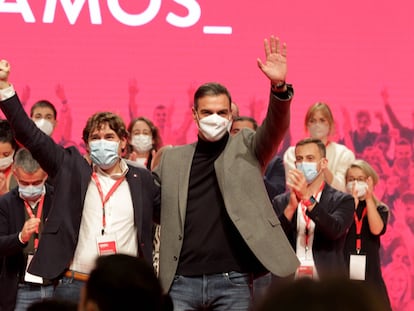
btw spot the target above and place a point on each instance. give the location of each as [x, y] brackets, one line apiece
[319, 123]
[362, 244]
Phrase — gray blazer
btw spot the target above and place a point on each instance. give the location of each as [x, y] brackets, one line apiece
[239, 171]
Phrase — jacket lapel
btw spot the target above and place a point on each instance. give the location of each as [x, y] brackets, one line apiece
[185, 157]
[135, 186]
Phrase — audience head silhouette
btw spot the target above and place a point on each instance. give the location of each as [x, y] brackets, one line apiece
[336, 293]
[123, 282]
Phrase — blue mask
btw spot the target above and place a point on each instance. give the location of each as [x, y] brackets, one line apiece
[31, 192]
[309, 169]
[104, 153]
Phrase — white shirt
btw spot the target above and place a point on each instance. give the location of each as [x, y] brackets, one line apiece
[303, 250]
[119, 216]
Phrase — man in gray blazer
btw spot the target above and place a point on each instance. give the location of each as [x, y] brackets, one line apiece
[218, 228]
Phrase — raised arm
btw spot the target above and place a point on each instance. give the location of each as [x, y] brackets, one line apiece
[275, 124]
[43, 148]
[132, 102]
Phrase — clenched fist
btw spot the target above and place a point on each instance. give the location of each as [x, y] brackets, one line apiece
[30, 226]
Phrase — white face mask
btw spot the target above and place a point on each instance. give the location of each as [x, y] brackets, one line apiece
[360, 187]
[318, 130]
[142, 143]
[6, 162]
[214, 127]
[45, 126]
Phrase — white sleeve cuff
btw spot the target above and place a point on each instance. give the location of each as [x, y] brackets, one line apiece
[7, 93]
[20, 238]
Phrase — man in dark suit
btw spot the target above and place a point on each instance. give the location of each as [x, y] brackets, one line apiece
[315, 216]
[23, 212]
[218, 229]
[103, 205]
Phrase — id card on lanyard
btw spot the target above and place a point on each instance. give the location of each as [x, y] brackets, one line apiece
[28, 277]
[358, 262]
[307, 265]
[106, 243]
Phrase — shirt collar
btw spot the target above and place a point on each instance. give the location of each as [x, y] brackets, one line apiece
[123, 166]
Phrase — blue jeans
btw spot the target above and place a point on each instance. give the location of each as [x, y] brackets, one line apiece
[260, 286]
[69, 289]
[224, 291]
[27, 294]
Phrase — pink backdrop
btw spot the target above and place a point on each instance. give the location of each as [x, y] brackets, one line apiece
[344, 53]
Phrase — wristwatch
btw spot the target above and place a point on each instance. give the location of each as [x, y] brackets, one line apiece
[278, 86]
[309, 202]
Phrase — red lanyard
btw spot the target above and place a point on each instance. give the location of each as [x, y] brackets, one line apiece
[7, 171]
[358, 228]
[307, 219]
[108, 195]
[307, 226]
[38, 215]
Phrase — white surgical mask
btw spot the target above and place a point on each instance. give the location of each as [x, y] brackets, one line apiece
[45, 126]
[142, 143]
[214, 127]
[31, 192]
[309, 169]
[104, 153]
[360, 187]
[6, 162]
[318, 130]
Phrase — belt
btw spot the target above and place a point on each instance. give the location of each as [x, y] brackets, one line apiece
[79, 276]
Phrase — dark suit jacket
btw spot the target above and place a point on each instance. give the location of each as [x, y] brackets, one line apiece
[71, 175]
[274, 177]
[333, 216]
[12, 218]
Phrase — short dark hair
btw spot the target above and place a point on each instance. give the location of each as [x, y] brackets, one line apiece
[245, 118]
[6, 134]
[363, 114]
[125, 282]
[322, 295]
[43, 104]
[310, 140]
[211, 89]
[97, 120]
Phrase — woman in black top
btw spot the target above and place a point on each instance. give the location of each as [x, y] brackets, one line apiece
[362, 245]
